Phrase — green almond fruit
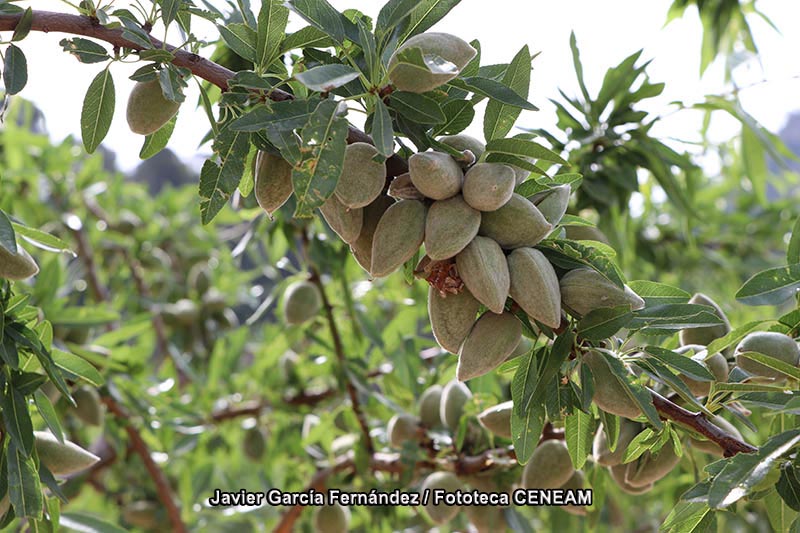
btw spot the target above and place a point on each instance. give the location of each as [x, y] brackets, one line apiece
[463, 142]
[301, 302]
[704, 336]
[602, 454]
[199, 278]
[716, 364]
[398, 236]
[486, 519]
[549, 467]
[273, 181]
[584, 289]
[344, 221]
[450, 226]
[712, 447]
[429, 406]
[489, 343]
[436, 175]
[88, 407]
[60, 458]
[518, 223]
[448, 482]
[534, 285]
[576, 482]
[650, 467]
[484, 269]
[618, 476]
[773, 344]
[148, 109]
[452, 317]
[362, 246]
[331, 518]
[488, 186]
[524, 346]
[520, 174]
[455, 396]
[552, 203]
[254, 443]
[455, 52]
[497, 419]
[143, 514]
[362, 178]
[401, 429]
[17, 266]
[609, 394]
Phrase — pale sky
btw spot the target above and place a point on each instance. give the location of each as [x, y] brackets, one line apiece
[607, 32]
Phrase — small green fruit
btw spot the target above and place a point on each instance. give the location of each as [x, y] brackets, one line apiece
[88, 407]
[650, 467]
[254, 443]
[452, 317]
[362, 246]
[485, 519]
[549, 467]
[143, 514]
[602, 454]
[773, 344]
[273, 181]
[429, 404]
[488, 186]
[518, 223]
[448, 482]
[716, 364]
[402, 428]
[148, 110]
[609, 393]
[345, 222]
[199, 278]
[455, 396]
[584, 289]
[17, 266]
[553, 203]
[463, 142]
[455, 52]
[489, 343]
[576, 482]
[534, 285]
[362, 178]
[334, 518]
[436, 175]
[60, 458]
[398, 236]
[618, 476]
[497, 419]
[301, 302]
[484, 270]
[704, 336]
[450, 226]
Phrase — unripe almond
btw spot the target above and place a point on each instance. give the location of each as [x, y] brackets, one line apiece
[362, 178]
[584, 289]
[148, 109]
[398, 236]
[649, 468]
[88, 407]
[489, 343]
[452, 317]
[60, 458]
[704, 336]
[518, 223]
[436, 175]
[497, 419]
[609, 393]
[301, 302]
[712, 447]
[345, 222]
[771, 343]
[488, 186]
[484, 269]
[463, 142]
[524, 346]
[402, 428]
[448, 482]
[273, 181]
[17, 266]
[429, 406]
[486, 519]
[412, 78]
[576, 482]
[254, 443]
[331, 518]
[602, 454]
[455, 395]
[450, 226]
[618, 475]
[142, 514]
[552, 203]
[716, 364]
[534, 285]
[362, 246]
[549, 467]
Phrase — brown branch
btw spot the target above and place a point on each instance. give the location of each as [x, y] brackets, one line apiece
[140, 446]
[699, 423]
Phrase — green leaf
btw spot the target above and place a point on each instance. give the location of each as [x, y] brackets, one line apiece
[776, 364]
[494, 90]
[779, 514]
[426, 14]
[84, 50]
[655, 293]
[524, 382]
[324, 141]
[576, 63]
[325, 78]
[218, 182]
[24, 25]
[307, 37]
[789, 486]
[169, 10]
[382, 129]
[42, 238]
[83, 316]
[499, 118]
[690, 517]
[157, 141]
[755, 163]
[578, 431]
[526, 430]
[98, 110]
[393, 13]
[17, 419]
[15, 70]
[323, 16]
[280, 116]
[733, 337]
[636, 392]
[23, 484]
[48, 414]
[78, 366]
[602, 323]
[86, 523]
[745, 470]
[681, 363]
[523, 148]
[417, 107]
[8, 239]
[458, 116]
[771, 287]
[241, 39]
[675, 316]
[793, 250]
[572, 254]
